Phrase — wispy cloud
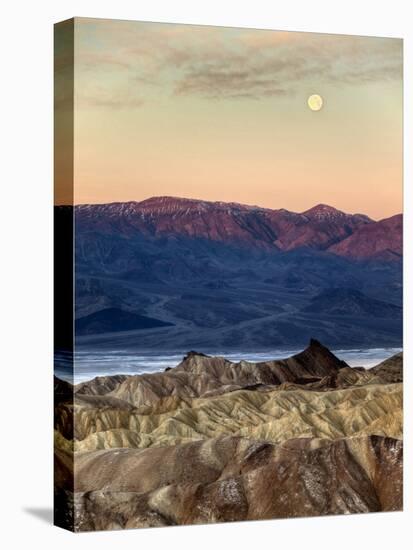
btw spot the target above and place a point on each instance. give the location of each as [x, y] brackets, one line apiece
[271, 67]
[222, 63]
[227, 83]
[110, 102]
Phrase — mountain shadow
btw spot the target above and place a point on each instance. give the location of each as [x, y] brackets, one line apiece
[115, 320]
[349, 301]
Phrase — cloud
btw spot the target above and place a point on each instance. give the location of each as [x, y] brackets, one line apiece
[102, 60]
[221, 83]
[224, 63]
[109, 98]
[280, 65]
[119, 102]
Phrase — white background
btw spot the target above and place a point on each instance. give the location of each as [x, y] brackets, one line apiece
[26, 271]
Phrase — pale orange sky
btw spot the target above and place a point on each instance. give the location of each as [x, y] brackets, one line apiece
[221, 114]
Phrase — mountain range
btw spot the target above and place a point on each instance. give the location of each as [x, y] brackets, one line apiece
[321, 227]
[189, 273]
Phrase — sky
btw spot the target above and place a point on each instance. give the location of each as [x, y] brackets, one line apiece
[221, 114]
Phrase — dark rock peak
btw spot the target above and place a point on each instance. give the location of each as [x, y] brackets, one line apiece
[317, 357]
[315, 344]
[192, 353]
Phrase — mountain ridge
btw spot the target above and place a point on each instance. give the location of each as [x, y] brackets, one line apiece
[383, 241]
[321, 227]
[225, 274]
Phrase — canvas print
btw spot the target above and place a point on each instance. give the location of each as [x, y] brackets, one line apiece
[228, 274]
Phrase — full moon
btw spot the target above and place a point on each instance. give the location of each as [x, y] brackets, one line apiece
[315, 102]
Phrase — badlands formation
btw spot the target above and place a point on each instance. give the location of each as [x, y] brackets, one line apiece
[212, 441]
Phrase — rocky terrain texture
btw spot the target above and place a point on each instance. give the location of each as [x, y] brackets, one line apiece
[211, 440]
